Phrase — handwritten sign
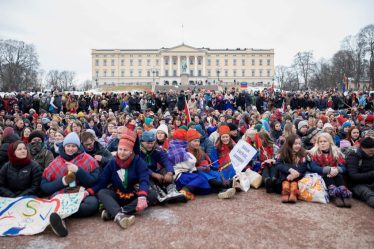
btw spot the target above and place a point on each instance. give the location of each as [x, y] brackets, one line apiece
[28, 215]
[241, 155]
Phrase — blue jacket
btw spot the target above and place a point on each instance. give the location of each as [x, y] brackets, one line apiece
[137, 173]
[157, 158]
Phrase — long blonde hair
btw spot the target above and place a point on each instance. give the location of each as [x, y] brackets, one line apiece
[334, 150]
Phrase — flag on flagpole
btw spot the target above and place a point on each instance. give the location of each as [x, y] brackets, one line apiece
[187, 111]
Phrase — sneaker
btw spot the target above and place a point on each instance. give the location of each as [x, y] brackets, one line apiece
[105, 216]
[338, 201]
[124, 221]
[58, 225]
[189, 196]
[173, 195]
[227, 194]
[161, 195]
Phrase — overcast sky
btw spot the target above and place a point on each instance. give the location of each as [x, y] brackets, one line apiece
[64, 32]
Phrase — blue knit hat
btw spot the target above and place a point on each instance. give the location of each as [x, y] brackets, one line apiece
[346, 124]
[72, 138]
[45, 120]
[148, 136]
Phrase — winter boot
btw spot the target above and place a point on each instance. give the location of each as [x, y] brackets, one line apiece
[285, 191]
[161, 195]
[227, 193]
[346, 195]
[105, 216]
[335, 196]
[188, 194]
[268, 185]
[124, 220]
[294, 191]
[173, 196]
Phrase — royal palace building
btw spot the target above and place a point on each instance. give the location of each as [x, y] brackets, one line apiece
[165, 66]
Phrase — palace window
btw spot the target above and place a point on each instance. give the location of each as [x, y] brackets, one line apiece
[253, 73]
[131, 62]
[131, 73]
[268, 62]
[112, 62]
[104, 73]
[166, 73]
[209, 73]
[199, 73]
[97, 62]
[104, 62]
[226, 73]
[122, 62]
[166, 59]
[157, 61]
[260, 71]
[243, 73]
[174, 73]
[234, 62]
[253, 62]
[122, 73]
[208, 62]
[174, 61]
[268, 73]
[191, 72]
[140, 73]
[199, 61]
[226, 62]
[139, 62]
[148, 73]
[243, 62]
[157, 73]
[97, 73]
[113, 73]
[234, 72]
[260, 62]
[148, 62]
[217, 62]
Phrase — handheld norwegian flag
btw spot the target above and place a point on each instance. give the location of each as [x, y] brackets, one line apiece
[187, 111]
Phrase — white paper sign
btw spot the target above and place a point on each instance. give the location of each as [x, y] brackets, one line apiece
[241, 155]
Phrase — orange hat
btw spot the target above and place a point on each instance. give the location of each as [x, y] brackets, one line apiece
[128, 138]
[341, 120]
[192, 135]
[224, 129]
[180, 134]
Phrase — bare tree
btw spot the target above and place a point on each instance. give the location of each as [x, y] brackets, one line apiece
[87, 85]
[60, 80]
[18, 65]
[67, 78]
[304, 62]
[367, 37]
[280, 72]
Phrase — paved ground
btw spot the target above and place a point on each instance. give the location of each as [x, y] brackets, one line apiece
[250, 220]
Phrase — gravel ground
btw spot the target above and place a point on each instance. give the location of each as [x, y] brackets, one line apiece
[249, 220]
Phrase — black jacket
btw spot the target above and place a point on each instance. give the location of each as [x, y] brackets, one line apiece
[360, 167]
[4, 148]
[20, 180]
[101, 151]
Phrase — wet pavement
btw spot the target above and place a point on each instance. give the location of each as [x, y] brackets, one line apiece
[249, 220]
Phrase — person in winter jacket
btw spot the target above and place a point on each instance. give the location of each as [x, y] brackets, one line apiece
[291, 164]
[38, 149]
[360, 164]
[21, 175]
[9, 136]
[128, 179]
[95, 149]
[328, 161]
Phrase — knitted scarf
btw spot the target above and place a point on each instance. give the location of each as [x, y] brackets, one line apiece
[15, 160]
[147, 153]
[326, 159]
[124, 164]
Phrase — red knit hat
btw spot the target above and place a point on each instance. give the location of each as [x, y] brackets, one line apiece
[341, 120]
[180, 134]
[324, 119]
[223, 129]
[369, 119]
[128, 138]
[192, 135]
[360, 118]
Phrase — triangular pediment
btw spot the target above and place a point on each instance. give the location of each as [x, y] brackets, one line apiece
[183, 48]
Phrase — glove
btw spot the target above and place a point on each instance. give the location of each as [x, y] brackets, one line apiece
[142, 204]
[70, 177]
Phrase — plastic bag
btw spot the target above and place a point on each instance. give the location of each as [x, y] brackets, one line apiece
[241, 180]
[312, 188]
[254, 178]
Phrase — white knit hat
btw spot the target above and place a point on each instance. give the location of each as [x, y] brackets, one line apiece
[327, 125]
[163, 128]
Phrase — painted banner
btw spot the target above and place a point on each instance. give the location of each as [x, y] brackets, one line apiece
[28, 215]
[241, 155]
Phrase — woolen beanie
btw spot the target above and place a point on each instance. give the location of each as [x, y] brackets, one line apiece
[148, 136]
[163, 128]
[301, 124]
[127, 140]
[327, 125]
[183, 127]
[367, 143]
[223, 129]
[346, 124]
[192, 135]
[180, 134]
[38, 134]
[72, 138]
[7, 132]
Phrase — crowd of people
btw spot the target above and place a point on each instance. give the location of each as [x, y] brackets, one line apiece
[129, 151]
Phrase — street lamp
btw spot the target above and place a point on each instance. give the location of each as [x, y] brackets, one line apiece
[97, 84]
[153, 74]
[218, 71]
